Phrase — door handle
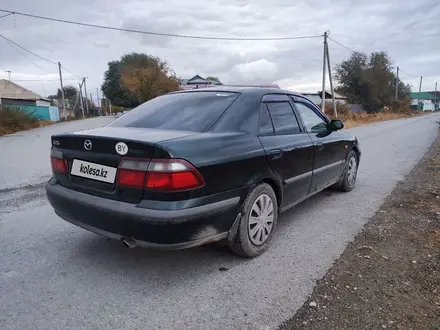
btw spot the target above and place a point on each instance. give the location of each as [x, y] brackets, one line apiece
[319, 146]
[276, 154]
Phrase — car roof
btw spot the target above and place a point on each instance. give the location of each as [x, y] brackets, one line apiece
[243, 90]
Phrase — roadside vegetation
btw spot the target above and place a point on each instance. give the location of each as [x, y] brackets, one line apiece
[398, 109]
[370, 81]
[13, 120]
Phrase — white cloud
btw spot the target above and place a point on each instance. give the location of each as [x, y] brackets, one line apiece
[260, 71]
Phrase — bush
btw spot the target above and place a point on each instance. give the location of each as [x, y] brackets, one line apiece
[13, 119]
[400, 106]
[117, 108]
[343, 110]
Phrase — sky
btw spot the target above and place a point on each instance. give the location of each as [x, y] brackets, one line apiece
[408, 30]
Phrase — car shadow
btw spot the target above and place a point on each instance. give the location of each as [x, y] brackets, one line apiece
[107, 257]
[140, 266]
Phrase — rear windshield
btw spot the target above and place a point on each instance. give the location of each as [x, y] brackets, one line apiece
[191, 111]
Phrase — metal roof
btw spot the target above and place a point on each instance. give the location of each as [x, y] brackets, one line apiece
[425, 95]
[10, 90]
[337, 95]
[197, 80]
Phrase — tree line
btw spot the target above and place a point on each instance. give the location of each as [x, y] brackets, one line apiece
[136, 78]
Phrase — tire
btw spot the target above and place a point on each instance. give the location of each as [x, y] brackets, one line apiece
[348, 179]
[253, 235]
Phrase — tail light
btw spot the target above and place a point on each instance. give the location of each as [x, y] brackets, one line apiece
[131, 172]
[172, 174]
[159, 174]
[59, 165]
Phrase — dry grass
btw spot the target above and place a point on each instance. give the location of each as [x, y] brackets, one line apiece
[14, 120]
[363, 118]
[398, 110]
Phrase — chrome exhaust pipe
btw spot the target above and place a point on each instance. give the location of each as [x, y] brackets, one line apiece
[129, 243]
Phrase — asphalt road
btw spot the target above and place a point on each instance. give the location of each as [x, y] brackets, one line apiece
[55, 275]
[25, 155]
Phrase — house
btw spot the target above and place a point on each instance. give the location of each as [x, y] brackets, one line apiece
[426, 101]
[261, 86]
[317, 97]
[338, 97]
[198, 82]
[14, 95]
[314, 97]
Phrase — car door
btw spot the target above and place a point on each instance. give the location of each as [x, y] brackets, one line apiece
[288, 149]
[329, 147]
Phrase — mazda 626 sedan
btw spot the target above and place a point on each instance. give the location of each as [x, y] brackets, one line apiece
[200, 166]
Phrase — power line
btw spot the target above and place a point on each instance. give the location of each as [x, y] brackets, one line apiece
[41, 57]
[409, 74]
[352, 50]
[11, 44]
[39, 80]
[342, 45]
[5, 15]
[70, 73]
[158, 33]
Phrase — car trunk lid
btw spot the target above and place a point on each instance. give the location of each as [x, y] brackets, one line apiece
[93, 158]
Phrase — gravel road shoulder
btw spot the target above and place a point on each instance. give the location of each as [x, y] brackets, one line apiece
[389, 276]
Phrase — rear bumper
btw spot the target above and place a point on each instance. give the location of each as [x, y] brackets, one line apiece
[162, 229]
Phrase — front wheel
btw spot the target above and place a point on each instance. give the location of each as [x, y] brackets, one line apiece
[348, 180]
[258, 222]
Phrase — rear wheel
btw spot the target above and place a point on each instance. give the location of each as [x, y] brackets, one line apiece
[258, 222]
[348, 180]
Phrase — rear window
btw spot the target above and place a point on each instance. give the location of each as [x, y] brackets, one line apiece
[283, 118]
[193, 111]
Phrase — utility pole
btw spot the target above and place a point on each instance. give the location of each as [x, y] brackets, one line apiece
[85, 93]
[91, 100]
[8, 72]
[81, 99]
[99, 105]
[397, 84]
[323, 73]
[335, 112]
[44, 87]
[435, 97]
[76, 101]
[420, 86]
[62, 91]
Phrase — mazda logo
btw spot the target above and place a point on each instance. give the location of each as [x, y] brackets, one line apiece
[88, 145]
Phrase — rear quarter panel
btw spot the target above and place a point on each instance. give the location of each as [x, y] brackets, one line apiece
[227, 161]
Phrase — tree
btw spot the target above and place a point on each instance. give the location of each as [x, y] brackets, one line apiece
[112, 87]
[369, 80]
[53, 100]
[71, 96]
[216, 79]
[148, 77]
[136, 78]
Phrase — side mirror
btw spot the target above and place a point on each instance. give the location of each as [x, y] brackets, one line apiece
[336, 125]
